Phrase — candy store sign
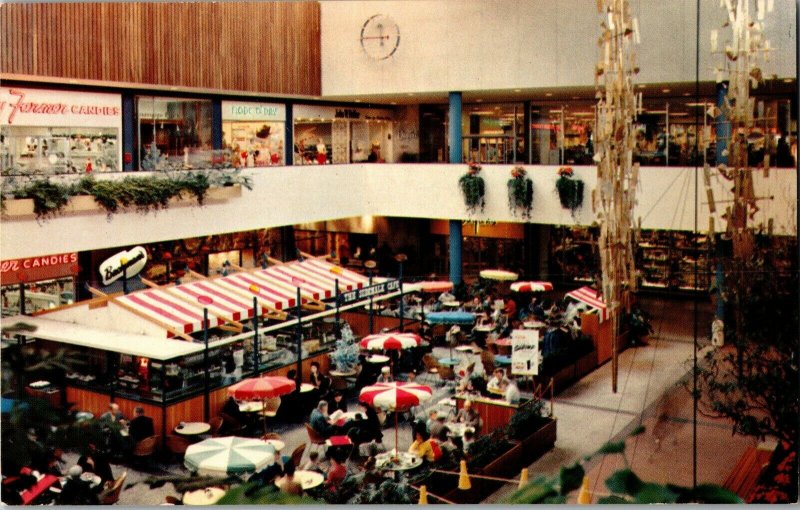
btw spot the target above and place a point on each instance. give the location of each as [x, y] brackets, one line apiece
[34, 107]
[38, 268]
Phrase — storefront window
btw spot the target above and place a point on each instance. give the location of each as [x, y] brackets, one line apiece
[174, 133]
[254, 132]
[43, 295]
[493, 133]
[57, 132]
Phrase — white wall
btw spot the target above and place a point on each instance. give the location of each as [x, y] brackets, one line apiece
[463, 45]
[292, 195]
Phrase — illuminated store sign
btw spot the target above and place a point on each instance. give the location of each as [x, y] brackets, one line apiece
[33, 107]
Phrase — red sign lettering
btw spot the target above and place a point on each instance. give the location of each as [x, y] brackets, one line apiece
[31, 107]
[38, 268]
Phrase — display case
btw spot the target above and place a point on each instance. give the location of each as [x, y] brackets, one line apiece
[574, 254]
[666, 260]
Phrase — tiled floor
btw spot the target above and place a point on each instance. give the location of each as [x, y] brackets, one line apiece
[589, 414]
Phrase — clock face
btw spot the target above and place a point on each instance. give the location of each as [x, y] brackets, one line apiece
[380, 37]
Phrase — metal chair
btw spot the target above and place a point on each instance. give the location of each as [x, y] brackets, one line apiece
[110, 496]
[177, 445]
[315, 438]
[143, 450]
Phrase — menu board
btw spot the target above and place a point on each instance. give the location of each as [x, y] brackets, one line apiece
[525, 352]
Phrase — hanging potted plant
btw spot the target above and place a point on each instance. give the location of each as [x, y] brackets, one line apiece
[473, 188]
[520, 192]
[570, 190]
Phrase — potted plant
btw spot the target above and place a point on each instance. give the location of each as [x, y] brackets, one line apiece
[473, 188]
[520, 192]
[345, 356]
[570, 190]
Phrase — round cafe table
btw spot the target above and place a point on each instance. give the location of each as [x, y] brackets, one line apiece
[502, 360]
[449, 362]
[307, 479]
[397, 462]
[193, 428]
[306, 387]
[207, 496]
[254, 406]
[378, 359]
[534, 325]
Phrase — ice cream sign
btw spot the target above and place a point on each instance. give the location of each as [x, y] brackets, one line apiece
[130, 261]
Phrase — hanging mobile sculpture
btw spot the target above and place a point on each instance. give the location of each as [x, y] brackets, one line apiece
[617, 175]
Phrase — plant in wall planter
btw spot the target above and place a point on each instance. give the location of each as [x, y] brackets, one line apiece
[520, 192]
[570, 189]
[473, 188]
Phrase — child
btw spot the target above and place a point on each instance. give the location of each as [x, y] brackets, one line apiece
[313, 463]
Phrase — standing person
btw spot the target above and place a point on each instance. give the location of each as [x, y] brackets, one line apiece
[511, 391]
[141, 426]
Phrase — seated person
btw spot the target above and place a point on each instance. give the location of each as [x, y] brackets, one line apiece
[231, 408]
[141, 426]
[477, 384]
[511, 392]
[497, 383]
[77, 491]
[313, 463]
[421, 447]
[449, 448]
[265, 478]
[337, 402]
[469, 416]
[386, 375]
[320, 421]
[437, 425]
[369, 428]
[113, 414]
[93, 461]
[467, 440]
[336, 474]
[319, 380]
[288, 485]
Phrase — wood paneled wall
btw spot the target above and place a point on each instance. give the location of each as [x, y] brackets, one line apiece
[271, 47]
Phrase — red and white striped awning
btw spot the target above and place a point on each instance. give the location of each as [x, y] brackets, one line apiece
[168, 310]
[317, 277]
[531, 286]
[589, 296]
[277, 298]
[220, 301]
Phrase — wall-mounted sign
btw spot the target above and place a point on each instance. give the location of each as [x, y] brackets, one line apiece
[240, 110]
[58, 108]
[34, 269]
[111, 269]
[372, 290]
[525, 352]
[314, 112]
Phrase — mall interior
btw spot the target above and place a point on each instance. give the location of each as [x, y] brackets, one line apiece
[196, 196]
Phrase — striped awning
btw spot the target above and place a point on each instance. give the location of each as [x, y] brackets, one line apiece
[219, 300]
[589, 296]
[317, 277]
[168, 310]
[277, 298]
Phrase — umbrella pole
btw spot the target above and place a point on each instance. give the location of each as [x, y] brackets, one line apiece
[396, 444]
[264, 416]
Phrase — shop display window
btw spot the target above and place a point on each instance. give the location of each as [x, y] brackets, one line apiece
[174, 133]
[43, 295]
[58, 150]
[313, 143]
[254, 143]
[493, 133]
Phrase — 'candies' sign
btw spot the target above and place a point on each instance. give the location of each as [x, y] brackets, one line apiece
[34, 269]
[111, 269]
[34, 107]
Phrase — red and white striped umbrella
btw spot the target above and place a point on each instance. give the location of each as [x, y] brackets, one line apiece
[531, 286]
[261, 388]
[431, 286]
[394, 341]
[395, 396]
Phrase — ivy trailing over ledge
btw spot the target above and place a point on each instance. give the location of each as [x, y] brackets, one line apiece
[570, 189]
[473, 188]
[520, 192]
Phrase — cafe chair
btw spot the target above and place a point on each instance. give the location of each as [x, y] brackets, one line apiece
[487, 360]
[216, 426]
[177, 445]
[110, 496]
[297, 455]
[143, 450]
[446, 373]
[231, 426]
[315, 438]
[431, 365]
[172, 500]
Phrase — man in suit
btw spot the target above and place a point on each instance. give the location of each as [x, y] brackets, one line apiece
[141, 426]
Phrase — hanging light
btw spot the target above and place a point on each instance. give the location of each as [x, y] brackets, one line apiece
[463, 477]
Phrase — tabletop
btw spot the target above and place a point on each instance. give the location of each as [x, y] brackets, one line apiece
[336, 373]
[378, 358]
[192, 428]
[308, 479]
[464, 348]
[450, 362]
[207, 496]
[484, 328]
[503, 342]
[30, 494]
[392, 461]
[458, 429]
[452, 304]
[345, 417]
[83, 415]
[534, 325]
[502, 360]
[306, 387]
[254, 406]
[276, 443]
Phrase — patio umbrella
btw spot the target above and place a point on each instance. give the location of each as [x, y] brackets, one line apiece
[499, 275]
[262, 388]
[430, 286]
[395, 396]
[220, 456]
[393, 341]
[450, 317]
[531, 286]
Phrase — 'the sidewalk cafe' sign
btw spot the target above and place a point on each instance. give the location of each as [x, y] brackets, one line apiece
[372, 290]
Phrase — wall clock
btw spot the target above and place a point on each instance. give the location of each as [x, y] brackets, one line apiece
[380, 37]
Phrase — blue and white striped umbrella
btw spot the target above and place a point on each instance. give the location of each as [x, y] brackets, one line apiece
[220, 456]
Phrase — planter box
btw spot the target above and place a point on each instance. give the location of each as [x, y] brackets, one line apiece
[213, 195]
[508, 465]
[18, 208]
[82, 203]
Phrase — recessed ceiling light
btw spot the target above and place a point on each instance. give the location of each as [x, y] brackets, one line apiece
[73, 81]
[517, 90]
[479, 100]
[358, 100]
[687, 94]
[394, 102]
[173, 88]
[641, 86]
[410, 94]
[575, 97]
[549, 94]
[788, 80]
[666, 91]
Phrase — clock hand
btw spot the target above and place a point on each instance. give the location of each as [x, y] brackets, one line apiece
[375, 37]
